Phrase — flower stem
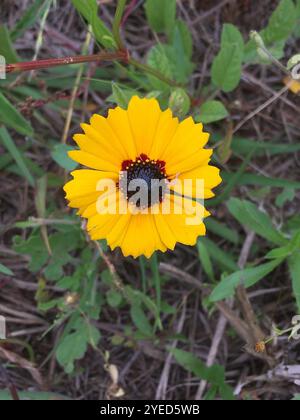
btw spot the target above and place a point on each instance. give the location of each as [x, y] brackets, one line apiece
[153, 72]
[54, 62]
[117, 23]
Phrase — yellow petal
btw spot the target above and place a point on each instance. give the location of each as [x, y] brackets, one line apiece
[92, 147]
[165, 232]
[84, 201]
[141, 237]
[101, 125]
[188, 139]
[190, 162]
[115, 236]
[166, 130]
[119, 123]
[199, 182]
[144, 116]
[187, 225]
[104, 225]
[293, 85]
[91, 161]
[86, 182]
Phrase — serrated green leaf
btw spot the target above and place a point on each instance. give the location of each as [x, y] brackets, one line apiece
[73, 344]
[33, 247]
[140, 320]
[215, 374]
[212, 111]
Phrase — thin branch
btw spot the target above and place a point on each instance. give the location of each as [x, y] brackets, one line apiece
[55, 62]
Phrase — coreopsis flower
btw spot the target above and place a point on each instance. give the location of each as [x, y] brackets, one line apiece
[148, 176]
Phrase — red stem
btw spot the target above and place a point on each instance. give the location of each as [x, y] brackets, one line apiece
[54, 62]
[129, 10]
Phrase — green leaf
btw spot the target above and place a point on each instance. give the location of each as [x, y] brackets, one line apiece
[288, 194]
[298, 9]
[179, 102]
[33, 247]
[215, 374]
[260, 180]
[121, 96]
[259, 222]
[30, 17]
[244, 146]
[224, 259]
[232, 180]
[212, 111]
[205, 260]
[89, 10]
[11, 117]
[297, 29]
[6, 47]
[5, 270]
[60, 156]
[186, 37]
[17, 155]
[294, 267]
[61, 244]
[222, 230]
[73, 344]
[247, 277]
[161, 15]
[140, 320]
[280, 27]
[283, 252]
[157, 59]
[114, 298]
[282, 22]
[227, 66]
[32, 396]
[181, 64]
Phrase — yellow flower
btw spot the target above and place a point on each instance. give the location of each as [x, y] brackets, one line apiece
[293, 85]
[149, 145]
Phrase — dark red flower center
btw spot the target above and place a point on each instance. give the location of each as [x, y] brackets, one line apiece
[146, 177]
